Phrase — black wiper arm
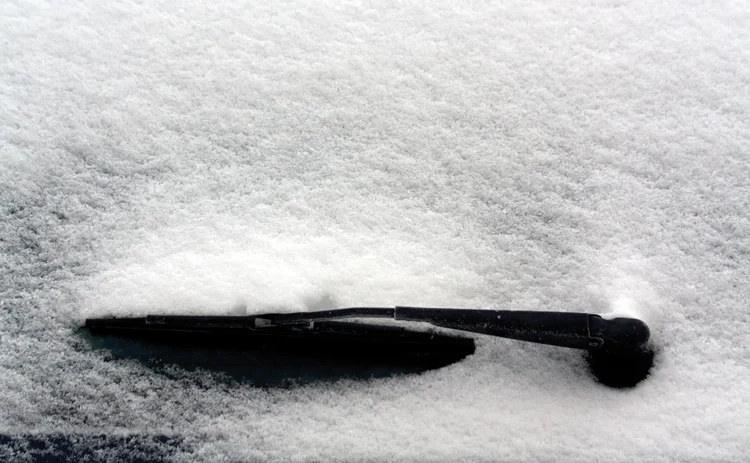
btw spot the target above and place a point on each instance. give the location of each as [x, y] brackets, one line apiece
[305, 317]
[574, 330]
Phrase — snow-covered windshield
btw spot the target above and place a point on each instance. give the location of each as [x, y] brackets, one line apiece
[230, 157]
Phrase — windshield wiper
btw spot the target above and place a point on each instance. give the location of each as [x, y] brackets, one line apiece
[618, 347]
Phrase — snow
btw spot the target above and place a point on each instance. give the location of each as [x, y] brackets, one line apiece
[173, 157]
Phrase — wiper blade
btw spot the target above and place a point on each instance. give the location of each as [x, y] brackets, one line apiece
[604, 338]
[564, 329]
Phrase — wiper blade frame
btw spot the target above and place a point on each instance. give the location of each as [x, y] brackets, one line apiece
[565, 329]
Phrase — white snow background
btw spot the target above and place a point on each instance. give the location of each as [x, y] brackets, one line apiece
[180, 156]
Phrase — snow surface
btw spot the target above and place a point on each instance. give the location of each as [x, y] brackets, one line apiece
[210, 157]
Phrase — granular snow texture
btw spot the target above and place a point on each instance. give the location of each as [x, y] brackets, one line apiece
[210, 157]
